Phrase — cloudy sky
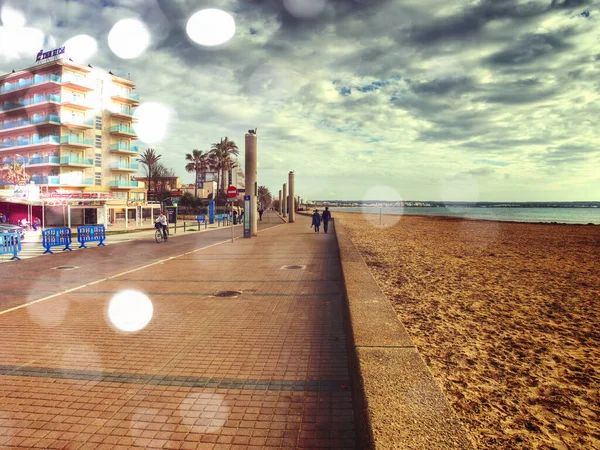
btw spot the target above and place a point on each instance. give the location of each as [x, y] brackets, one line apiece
[366, 99]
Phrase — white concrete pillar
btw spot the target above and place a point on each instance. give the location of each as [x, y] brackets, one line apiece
[284, 200]
[251, 180]
[291, 209]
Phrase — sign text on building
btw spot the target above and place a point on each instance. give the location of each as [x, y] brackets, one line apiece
[45, 55]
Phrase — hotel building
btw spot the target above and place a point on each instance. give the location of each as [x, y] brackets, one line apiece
[70, 126]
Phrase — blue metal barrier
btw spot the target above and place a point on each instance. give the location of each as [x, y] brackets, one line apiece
[201, 219]
[55, 237]
[91, 233]
[10, 244]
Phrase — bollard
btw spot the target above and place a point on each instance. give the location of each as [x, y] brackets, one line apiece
[184, 226]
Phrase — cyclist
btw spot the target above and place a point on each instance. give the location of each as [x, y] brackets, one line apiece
[162, 222]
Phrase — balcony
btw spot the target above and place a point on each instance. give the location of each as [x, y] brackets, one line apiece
[65, 180]
[124, 96]
[43, 161]
[123, 184]
[35, 100]
[76, 83]
[123, 113]
[24, 84]
[124, 148]
[123, 131]
[75, 103]
[78, 124]
[21, 123]
[76, 162]
[76, 141]
[22, 143]
[123, 167]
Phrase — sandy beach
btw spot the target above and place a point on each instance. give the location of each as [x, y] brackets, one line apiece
[506, 316]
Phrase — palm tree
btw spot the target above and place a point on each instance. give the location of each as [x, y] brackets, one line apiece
[221, 158]
[264, 196]
[149, 159]
[15, 173]
[197, 162]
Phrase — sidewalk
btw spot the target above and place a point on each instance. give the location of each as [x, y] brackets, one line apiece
[264, 369]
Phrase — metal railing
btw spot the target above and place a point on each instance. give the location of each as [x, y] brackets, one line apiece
[50, 118]
[122, 129]
[25, 142]
[120, 165]
[124, 94]
[74, 160]
[30, 101]
[124, 147]
[123, 183]
[76, 140]
[21, 84]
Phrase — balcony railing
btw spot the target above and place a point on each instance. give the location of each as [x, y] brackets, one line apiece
[38, 160]
[124, 111]
[122, 129]
[120, 165]
[74, 160]
[123, 183]
[21, 84]
[66, 181]
[31, 101]
[83, 122]
[73, 79]
[51, 118]
[124, 94]
[76, 140]
[68, 100]
[124, 147]
[25, 142]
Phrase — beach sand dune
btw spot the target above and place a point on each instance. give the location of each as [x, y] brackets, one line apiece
[505, 314]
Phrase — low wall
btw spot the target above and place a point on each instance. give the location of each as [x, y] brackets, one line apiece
[398, 403]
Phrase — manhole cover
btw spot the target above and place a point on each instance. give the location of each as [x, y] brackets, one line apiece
[227, 293]
[66, 267]
[293, 267]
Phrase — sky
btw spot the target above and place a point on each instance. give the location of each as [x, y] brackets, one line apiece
[362, 99]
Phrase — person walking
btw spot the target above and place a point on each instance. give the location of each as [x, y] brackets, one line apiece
[326, 218]
[260, 213]
[316, 220]
[2, 218]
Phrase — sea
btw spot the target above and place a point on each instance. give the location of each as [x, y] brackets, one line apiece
[506, 214]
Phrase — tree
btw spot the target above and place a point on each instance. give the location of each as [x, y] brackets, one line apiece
[198, 162]
[15, 173]
[264, 197]
[221, 159]
[160, 176]
[149, 159]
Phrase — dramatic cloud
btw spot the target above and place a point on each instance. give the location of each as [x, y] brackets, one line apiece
[486, 100]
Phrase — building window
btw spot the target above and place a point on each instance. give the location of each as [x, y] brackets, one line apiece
[98, 179]
[98, 122]
[98, 141]
[99, 160]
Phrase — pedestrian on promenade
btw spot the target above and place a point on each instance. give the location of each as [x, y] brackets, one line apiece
[326, 218]
[260, 213]
[2, 218]
[36, 223]
[316, 220]
[241, 216]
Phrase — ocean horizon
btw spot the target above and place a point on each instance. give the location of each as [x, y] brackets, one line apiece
[564, 215]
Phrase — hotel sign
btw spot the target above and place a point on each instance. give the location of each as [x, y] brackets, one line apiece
[45, 55]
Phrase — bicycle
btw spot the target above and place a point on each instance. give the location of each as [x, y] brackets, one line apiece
[159, 235]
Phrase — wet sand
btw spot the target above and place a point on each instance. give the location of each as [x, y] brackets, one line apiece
[506, 315]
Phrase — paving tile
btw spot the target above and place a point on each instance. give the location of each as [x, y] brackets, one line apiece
[263, 370]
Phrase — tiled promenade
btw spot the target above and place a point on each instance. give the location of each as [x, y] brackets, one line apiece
[267, 369]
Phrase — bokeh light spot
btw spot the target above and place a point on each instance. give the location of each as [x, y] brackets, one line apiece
[12, 18]
[210, 27]
[305, 9]
[383, 216]
[152, 122]
[128, 38]
[81, 48]
[130, 310]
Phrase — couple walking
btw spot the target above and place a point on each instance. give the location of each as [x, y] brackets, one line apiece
[317, 219]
